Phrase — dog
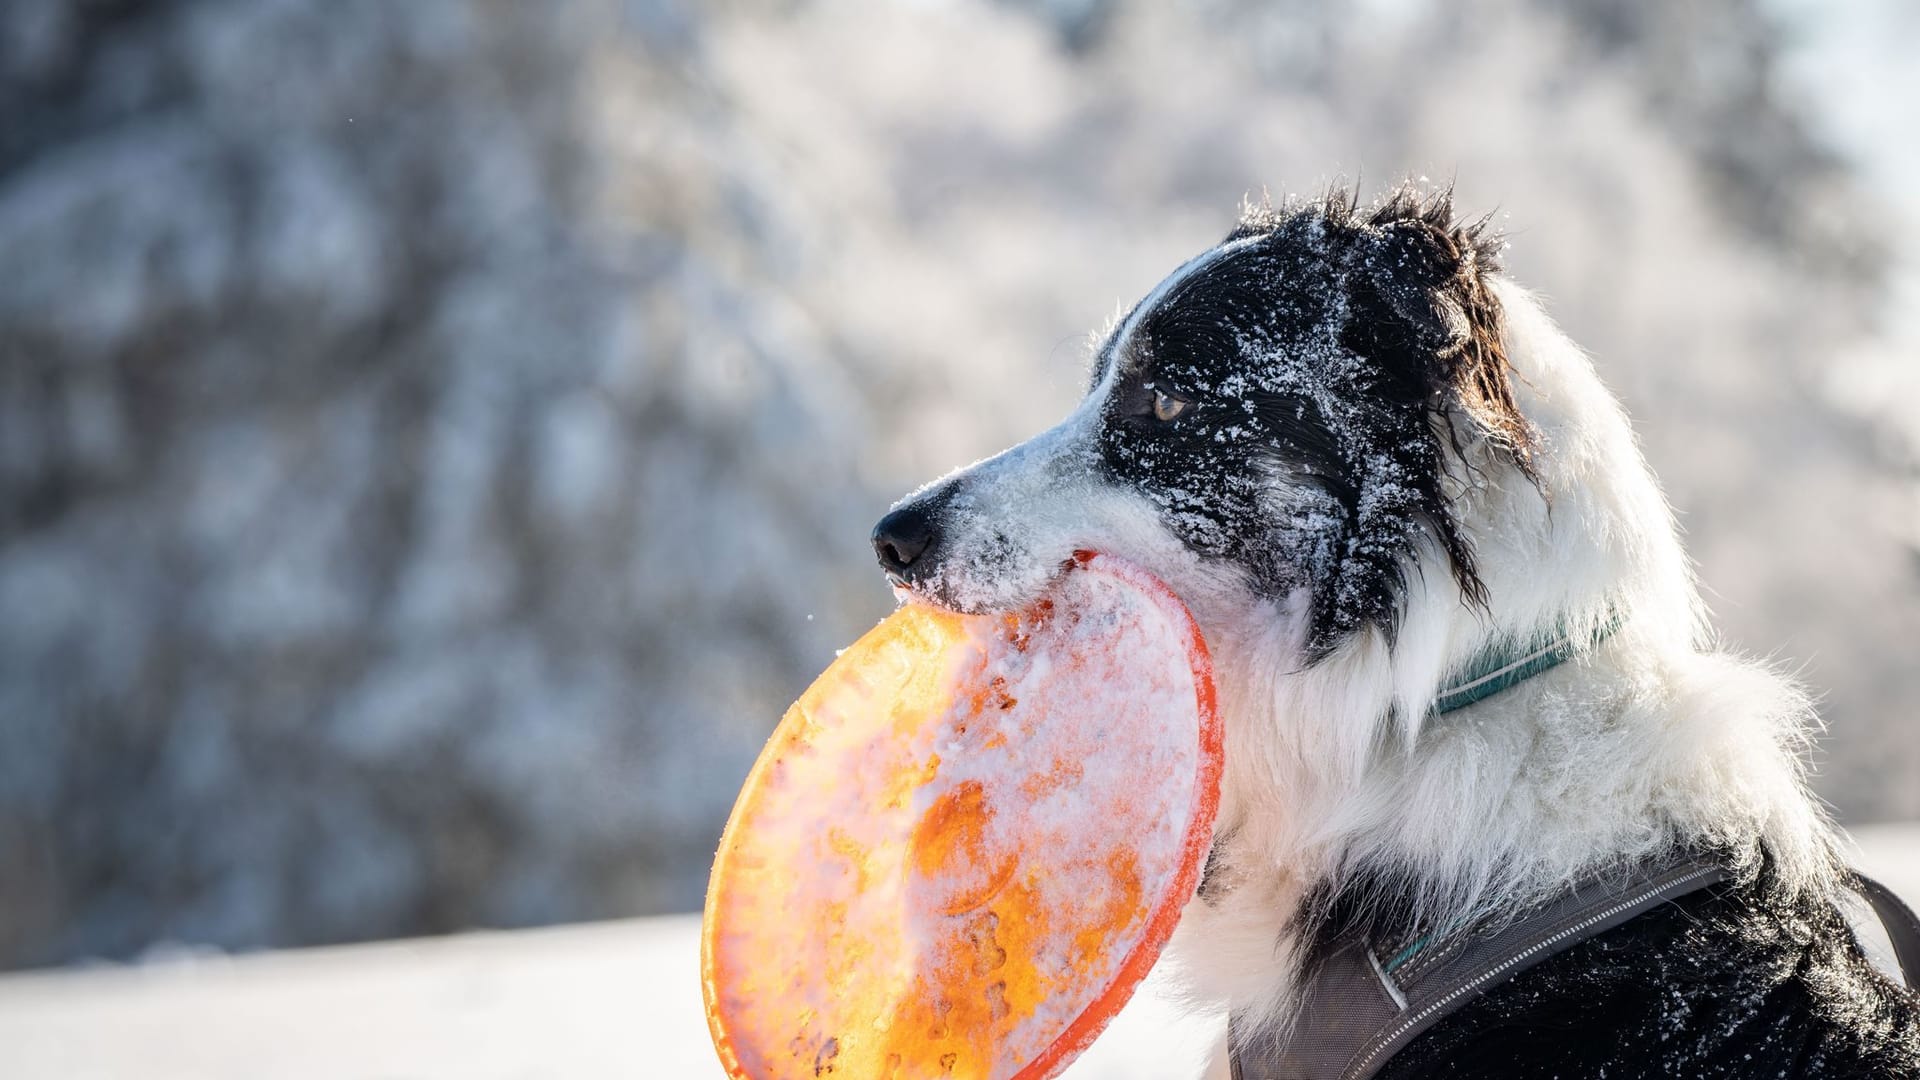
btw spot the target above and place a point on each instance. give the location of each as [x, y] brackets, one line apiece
[1363, 456]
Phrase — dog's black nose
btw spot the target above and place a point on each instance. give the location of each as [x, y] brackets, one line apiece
[902, 537]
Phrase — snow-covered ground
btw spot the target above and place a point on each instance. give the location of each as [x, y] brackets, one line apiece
[605, 999]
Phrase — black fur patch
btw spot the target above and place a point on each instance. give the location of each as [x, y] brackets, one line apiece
[1336, 350]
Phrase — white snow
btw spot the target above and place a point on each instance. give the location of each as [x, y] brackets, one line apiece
[604, 999]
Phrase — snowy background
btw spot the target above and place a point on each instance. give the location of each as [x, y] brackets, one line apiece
[437, 439]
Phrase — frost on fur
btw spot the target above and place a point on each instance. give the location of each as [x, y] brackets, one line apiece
[1385, 459]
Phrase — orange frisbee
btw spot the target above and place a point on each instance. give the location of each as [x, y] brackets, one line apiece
[967, 842]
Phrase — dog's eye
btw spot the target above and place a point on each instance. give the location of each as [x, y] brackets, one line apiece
[1167, 406]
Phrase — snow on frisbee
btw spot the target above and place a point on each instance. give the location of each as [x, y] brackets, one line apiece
[967, 842]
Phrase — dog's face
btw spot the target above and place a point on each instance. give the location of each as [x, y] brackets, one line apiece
[1283, 415]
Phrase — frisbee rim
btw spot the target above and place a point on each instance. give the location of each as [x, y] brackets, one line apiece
[1203, 809]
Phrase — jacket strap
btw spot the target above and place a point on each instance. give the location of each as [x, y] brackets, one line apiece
[1903, 927]
[1358, 1012]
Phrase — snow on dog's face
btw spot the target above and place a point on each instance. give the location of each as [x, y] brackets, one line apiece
[1285, 412]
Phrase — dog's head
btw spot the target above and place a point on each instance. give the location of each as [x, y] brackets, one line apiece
[1366, 460]
[1284, 418]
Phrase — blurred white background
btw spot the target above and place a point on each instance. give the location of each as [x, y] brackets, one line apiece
[437, 439]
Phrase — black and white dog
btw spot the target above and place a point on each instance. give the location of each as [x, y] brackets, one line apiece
[1363, 457]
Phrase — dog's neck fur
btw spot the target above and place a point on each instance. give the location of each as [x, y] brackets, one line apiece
[1337, 773]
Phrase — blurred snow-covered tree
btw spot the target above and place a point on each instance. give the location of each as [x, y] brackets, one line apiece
[436, 439]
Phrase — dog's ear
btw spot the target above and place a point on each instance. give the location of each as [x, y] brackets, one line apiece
[1419, 271]
[1422, 283]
